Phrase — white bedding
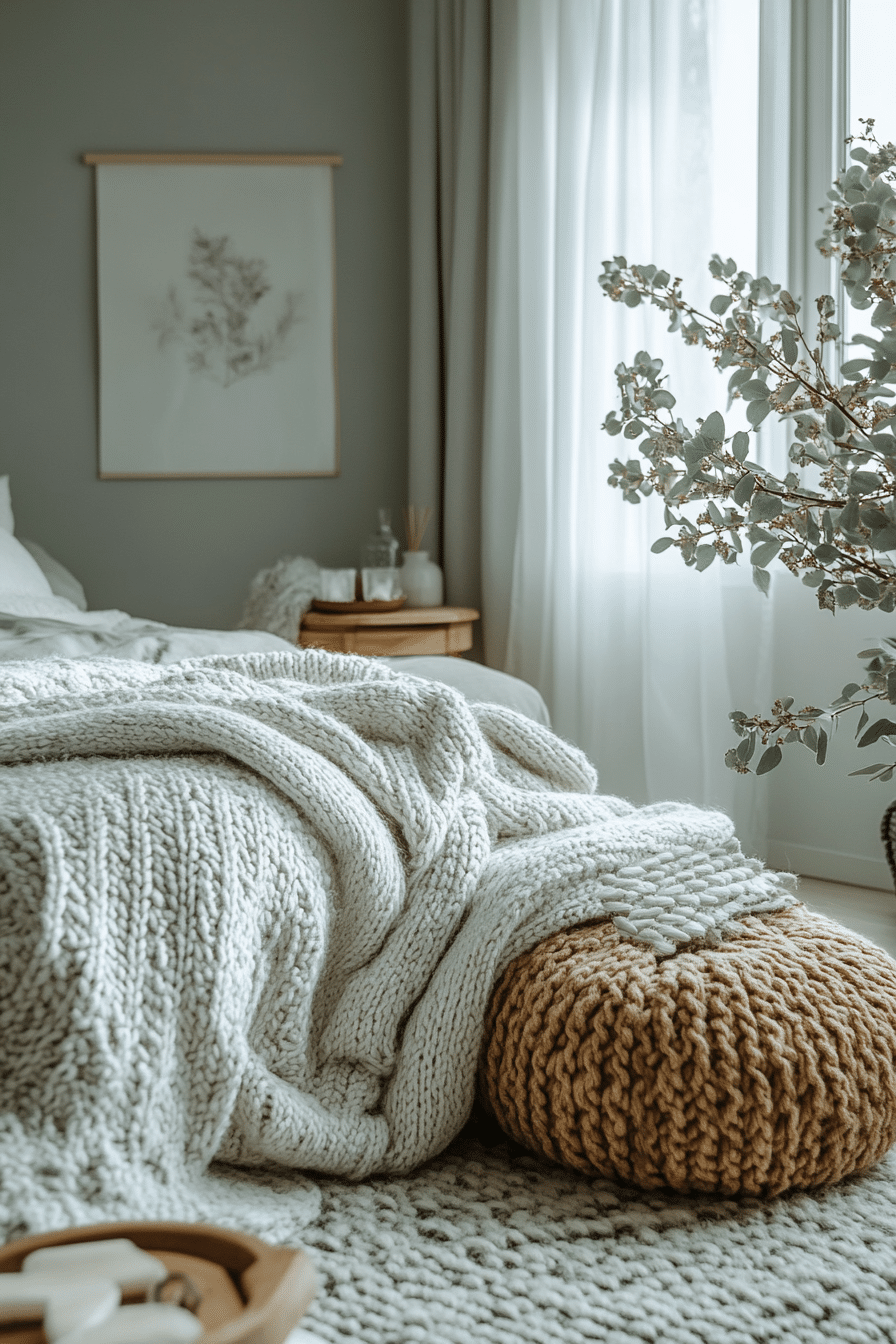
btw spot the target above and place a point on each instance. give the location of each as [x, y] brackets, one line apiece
[482, 685]
[51, 627]
[43, 614]
[54, 628]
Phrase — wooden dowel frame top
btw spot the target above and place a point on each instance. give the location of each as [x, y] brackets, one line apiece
[289, 160]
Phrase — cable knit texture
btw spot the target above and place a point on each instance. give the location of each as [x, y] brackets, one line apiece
[762, 1065]
[279, 597]
[500, 1247]
[253, 908]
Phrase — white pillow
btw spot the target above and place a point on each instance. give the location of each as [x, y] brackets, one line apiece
[7, 522]
[61, 580]
[54, 608]
[19, 572]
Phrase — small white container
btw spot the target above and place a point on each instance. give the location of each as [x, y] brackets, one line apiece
[381, 584]
[422, 580]
[337, 585]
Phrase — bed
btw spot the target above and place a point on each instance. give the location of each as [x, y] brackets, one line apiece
[250, 932]
[43, 613]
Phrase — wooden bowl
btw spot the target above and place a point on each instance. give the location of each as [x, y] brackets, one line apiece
[252, 1293]
[354, 608]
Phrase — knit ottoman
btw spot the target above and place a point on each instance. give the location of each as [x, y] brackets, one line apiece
[761, 1065]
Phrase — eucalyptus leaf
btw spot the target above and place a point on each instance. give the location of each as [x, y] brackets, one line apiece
[768, 760]
[766, 507]
[826, 554]
[743, 491]
[836, 423]
[756, 412]
[884, 314]
[740, 377]
[714, 427]
[882, 728]
[789, 347]
[874, 518]
[763, 555]
[762, 579]
[740, 445]
[822, 750]
[865, 215]
[755, 390]
[864, 483]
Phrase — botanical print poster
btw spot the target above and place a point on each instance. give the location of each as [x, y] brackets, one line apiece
[217, 319]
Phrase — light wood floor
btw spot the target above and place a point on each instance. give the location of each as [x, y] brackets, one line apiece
[871, 913]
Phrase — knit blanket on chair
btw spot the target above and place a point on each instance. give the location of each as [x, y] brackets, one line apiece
[252, 909]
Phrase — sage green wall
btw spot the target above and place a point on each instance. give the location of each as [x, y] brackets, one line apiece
[141, 75]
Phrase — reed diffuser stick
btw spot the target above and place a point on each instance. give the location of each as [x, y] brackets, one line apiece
[416, 521]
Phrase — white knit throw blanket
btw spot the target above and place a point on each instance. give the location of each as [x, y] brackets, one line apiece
[252, 908]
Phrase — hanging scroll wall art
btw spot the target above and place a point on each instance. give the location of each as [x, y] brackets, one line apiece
[217, 315]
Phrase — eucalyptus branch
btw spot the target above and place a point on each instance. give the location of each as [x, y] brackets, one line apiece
[837, 532]
[809, 726]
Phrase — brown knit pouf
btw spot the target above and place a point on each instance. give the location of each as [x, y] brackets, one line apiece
[762, 1065]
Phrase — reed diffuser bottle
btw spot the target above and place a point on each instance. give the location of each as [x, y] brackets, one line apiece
[421, 578]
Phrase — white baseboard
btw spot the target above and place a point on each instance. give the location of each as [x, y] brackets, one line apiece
[832, 865]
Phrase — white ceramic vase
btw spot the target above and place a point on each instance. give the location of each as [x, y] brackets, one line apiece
[421, 579]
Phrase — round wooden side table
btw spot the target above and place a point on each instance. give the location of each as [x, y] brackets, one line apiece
[389, 634]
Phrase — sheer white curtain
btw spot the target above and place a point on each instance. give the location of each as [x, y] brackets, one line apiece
[547, 135]
[617, 126]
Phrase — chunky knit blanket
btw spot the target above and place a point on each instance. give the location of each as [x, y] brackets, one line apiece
[252, 908]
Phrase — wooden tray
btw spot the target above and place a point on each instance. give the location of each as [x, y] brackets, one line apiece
[357, 608]
[252, 1293]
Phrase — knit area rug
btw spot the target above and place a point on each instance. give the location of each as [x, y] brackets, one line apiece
[494, 1245]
